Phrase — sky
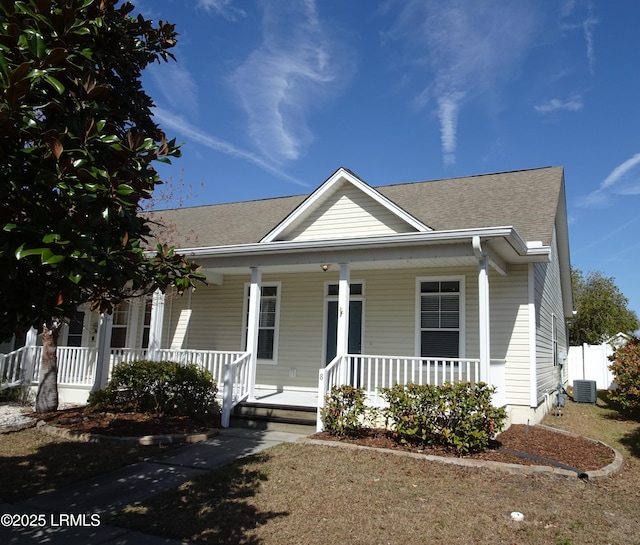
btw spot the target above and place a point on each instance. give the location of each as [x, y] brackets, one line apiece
[269, 98]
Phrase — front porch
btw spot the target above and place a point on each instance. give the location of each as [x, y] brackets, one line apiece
[80, 372]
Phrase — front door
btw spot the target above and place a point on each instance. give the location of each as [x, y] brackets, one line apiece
[355, 329]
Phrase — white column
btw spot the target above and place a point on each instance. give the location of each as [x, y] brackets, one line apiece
[342, 341]
[253, 323]
[484, 316]
[30, 343]
[104, 352]
[485, 329]
[155, 326]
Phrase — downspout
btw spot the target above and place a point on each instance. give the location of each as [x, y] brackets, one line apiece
[483, 305]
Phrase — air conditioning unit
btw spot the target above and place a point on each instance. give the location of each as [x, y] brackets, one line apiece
[584, 391]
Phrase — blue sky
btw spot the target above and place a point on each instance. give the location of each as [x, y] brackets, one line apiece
[269, 98]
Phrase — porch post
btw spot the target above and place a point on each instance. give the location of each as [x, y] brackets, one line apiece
[484, 315]
[155, 327]
[253, 324]
[29, 363]
[342, 342]
[103, 355]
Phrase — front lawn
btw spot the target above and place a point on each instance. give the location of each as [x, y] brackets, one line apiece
[304, 494]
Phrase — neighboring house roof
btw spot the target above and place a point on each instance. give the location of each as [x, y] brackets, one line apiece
[528, 200]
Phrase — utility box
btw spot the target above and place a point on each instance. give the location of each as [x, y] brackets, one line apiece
[584, 391]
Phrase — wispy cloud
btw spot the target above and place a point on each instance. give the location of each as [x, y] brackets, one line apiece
[183, 127]
[572, 104]
[225, 8]
[625, 179]
[297, 66]
[466, 48]
[587, 27]
[176, 85]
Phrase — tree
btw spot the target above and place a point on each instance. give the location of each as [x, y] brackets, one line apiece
[601, 309]
[77, 147]
[625, 367]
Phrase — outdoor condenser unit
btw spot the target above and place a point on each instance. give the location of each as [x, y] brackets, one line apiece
[584, 391]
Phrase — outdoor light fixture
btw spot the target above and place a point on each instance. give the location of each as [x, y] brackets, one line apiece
[325, 267]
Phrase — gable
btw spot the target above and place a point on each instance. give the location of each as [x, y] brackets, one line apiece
[343, 207]
[346, 212]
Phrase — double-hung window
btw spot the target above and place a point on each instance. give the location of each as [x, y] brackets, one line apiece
[268, 322]
[440, 317]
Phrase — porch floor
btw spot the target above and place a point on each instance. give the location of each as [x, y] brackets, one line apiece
[298, 398]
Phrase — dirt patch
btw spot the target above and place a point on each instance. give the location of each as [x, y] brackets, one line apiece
[538, 442]
[121, 424]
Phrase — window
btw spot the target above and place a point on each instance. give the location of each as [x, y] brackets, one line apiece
[76, 326]
[146, 325]
[120, 323]
[267, 322]
[440, 318]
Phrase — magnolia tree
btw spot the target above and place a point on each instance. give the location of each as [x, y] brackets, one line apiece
[77, 150]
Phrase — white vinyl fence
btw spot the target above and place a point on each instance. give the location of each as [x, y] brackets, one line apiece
[591, 362]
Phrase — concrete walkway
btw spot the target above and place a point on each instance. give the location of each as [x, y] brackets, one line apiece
[46, 517]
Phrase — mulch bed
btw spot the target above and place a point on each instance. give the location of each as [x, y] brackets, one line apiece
[538, 441]
[541, 442]
[121, 424]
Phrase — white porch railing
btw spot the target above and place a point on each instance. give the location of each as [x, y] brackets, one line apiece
[374, 372]
[236, 385]
[77, 368]
[12, 368]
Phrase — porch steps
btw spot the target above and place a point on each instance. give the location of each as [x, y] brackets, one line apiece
[265, 416]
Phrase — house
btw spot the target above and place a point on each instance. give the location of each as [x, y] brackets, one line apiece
[457, 279]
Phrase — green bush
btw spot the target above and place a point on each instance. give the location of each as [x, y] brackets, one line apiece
[625, 367]
[458, 415]
[160, 387]
[344, 412]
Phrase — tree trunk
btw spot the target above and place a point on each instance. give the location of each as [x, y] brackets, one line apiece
[47, 396]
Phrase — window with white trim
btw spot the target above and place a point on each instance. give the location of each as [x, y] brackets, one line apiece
[439, 318]
[268, 322]
[120, 325]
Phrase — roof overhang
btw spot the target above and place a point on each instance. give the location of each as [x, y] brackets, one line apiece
[502, 245]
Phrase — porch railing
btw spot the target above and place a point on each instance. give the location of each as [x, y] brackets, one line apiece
[374, 372]
[12, 368]
[235, 386]
[77, 368]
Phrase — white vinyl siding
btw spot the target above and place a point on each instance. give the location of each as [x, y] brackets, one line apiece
[548, 305]
[509, 311]
[347, 212]
[389, 320]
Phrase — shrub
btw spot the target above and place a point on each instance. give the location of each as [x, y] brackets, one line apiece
[344, 412]
[161, 387]
[625, 367]
[456, 415]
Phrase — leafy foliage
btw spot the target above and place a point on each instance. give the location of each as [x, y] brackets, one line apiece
[161, 387]
[601, 309]
[345, 412]
[625, 367]
[77, 147]
[457, 415]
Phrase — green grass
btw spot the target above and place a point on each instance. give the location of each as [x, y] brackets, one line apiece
[304, 494]
[32, 462]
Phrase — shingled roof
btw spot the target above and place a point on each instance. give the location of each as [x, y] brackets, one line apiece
[526, 199]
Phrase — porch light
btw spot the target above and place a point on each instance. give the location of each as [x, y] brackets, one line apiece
[325, 267]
